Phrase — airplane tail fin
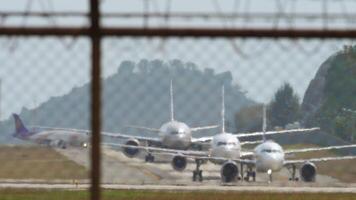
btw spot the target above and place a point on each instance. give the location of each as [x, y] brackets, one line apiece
[172, 103]
[264, 123]
[223, 109]
[20, 129]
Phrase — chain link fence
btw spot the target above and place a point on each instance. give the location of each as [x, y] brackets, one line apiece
[46, 81]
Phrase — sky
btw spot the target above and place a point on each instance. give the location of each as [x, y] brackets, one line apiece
[33, 70]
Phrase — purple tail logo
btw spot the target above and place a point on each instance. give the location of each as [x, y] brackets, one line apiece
[20, 130]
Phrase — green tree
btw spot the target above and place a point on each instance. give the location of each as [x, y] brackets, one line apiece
[284, 108]
[249, 119]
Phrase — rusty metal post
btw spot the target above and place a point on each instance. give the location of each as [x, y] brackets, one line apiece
[95, 100]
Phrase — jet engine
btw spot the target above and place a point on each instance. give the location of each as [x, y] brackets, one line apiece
[229, 171]
[308, 172]
[58, 143]
[131, 151]
[179, 163]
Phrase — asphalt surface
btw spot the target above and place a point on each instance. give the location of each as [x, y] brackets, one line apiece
[120, 172]
[119, 169]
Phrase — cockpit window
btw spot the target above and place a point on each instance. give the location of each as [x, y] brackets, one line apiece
[176, 132]
[222, 143]
[271, 150]
[226, 143]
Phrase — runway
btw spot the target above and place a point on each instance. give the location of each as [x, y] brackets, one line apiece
[251, 188]
[120, 172]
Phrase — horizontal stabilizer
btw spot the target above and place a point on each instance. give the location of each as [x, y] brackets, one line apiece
[203, 128]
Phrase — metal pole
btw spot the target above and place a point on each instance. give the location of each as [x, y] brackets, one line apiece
[95, 100]
[0, 98]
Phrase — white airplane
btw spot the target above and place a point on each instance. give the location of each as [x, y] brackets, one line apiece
[223, 145]
[270, 157]
[53, 138]
[173, 134]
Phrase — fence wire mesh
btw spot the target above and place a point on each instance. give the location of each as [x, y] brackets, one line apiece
[46, 81]
[40, 81]
[137, 79]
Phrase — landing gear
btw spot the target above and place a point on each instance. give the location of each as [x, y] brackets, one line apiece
[149, 158]
[292, 170]
[250, 173]
[62, 144]
[269, 172]
[197, 173]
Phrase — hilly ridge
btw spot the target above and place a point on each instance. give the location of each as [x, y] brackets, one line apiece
[138, 94]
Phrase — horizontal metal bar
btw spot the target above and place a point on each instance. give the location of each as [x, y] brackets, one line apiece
[43, 14]
[45, 31]
[180, 32]
[190, 15]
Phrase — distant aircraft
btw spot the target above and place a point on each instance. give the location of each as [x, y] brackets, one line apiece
[268, 157]
[173, 134]
[225, 147]
[177, 135]
[53, 138]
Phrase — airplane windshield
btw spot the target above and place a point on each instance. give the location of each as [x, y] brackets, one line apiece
[226, 143]
[222, 143]
[271, 150]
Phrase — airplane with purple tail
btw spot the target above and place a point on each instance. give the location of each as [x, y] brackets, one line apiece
[50, 137]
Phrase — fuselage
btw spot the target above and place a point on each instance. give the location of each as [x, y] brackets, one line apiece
[225, 145]
[269, 155]
[176, 135]
[53, 137]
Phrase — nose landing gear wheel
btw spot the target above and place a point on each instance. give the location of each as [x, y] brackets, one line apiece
[293, 174]
[197, 173]
[150, 158]
[250, 173]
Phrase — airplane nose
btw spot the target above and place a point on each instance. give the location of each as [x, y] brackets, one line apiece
[273, 162]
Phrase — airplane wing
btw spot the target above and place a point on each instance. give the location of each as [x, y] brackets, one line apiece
[107, 134]
[202, 155]
[318, 149]
[145, 128]
[61, 129]
[210, 138]
[244, 154]
[243, 161]
[287, 162]
[203, 128]
[202, 140]
[307, 130]
[251, 142]
[242, 135]
[124, 136]
[160, 150]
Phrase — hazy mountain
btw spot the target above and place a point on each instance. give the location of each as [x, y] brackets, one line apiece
[138, 94]
[332, 90]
